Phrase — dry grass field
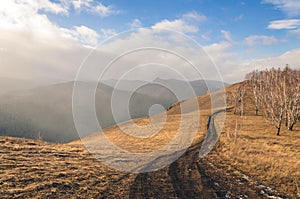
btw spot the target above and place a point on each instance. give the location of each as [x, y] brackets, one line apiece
[249, 161]
[250, 143]
[254, 148]
[35, 169]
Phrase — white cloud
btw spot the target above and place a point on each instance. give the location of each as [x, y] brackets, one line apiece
[290, 7]
[48, 6]
[106, 33]
[260, 40]
[136, 23]
[230, 67]
[35, 47]
[233, 68]
[292, 25]
[24, 16]
[103, 10]
[206, 36]
[187, 23]
[84, 35]
[239, 18]
[27, 55]
[193, 15]
[290, 57]
[217, 47]
[220, 53]
[90, 6]
[226, 35]
[171, 41]
[284, 24]
[296, 32]
[80, 4]
[32, 44]
[177, 25]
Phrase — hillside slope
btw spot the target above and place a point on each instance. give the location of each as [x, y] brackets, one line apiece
[33, 169]
[32, 113]
[38, 169]
[47, 111]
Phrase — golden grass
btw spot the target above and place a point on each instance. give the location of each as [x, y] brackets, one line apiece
[250, 143]
[163, 137]
[35, 169]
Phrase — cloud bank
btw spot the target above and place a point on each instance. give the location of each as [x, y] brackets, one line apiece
[32, 46]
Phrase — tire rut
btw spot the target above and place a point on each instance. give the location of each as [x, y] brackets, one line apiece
[182, 179]
[187, 180]
[191, 177]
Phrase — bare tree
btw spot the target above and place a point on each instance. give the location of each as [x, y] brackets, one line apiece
[254, 83]
[238, 98]
[293, 97]
[277, 92]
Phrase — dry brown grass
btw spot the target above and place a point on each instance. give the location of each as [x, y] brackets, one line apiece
[165, 135]
[255, 148]
[35, 169]
[250, 143]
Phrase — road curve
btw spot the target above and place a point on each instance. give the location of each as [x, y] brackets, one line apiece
[187, 177]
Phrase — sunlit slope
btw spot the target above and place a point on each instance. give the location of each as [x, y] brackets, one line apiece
[45, 112]
[247, 142]
[249, 160]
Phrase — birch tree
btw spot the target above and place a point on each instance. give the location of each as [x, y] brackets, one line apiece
[277, 93]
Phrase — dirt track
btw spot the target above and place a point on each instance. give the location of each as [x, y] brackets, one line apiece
[192, 177]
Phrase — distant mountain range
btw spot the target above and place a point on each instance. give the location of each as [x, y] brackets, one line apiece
[8, 84]
[46, 111]
[200, 86]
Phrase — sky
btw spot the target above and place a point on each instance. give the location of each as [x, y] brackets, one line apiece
[51, 38]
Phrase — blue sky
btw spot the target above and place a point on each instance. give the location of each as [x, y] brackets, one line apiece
[240, 18]
[256, 33]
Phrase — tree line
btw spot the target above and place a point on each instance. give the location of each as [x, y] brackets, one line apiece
[275, 93]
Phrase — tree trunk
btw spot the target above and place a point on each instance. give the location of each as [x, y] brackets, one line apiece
[279, 123]
[256, 111]
[242, 109]
[291, 127]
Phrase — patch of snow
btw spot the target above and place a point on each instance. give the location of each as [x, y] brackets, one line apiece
[246, 177]
[267, 195]
[273, 197]
[227, 195]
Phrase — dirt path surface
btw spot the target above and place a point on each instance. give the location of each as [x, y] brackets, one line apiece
[188, 178]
